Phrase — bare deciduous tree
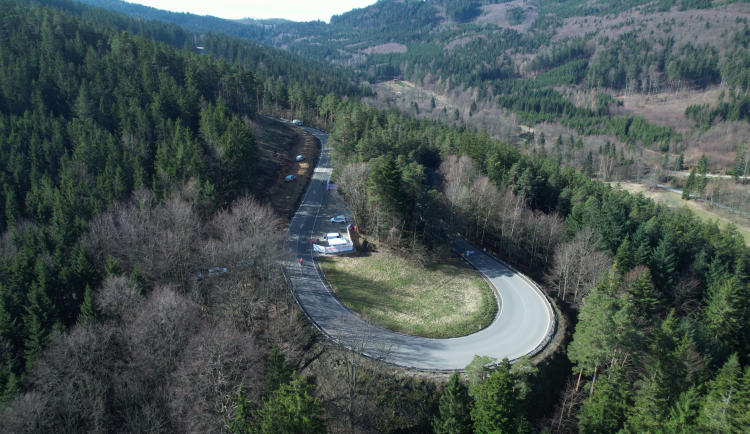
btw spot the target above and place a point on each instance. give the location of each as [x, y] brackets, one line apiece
[352, 182]
[159, 332]
[162, 241]
[214, 363]
[687, 294]
[358, 344]
[554, 228]
[71, 384]
[118, 299]
[248, 240]
[28, 413]
[577, 266]
[484, 203]
[458, 174]
[565, 417]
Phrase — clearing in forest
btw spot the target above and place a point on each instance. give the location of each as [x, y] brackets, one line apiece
[444, 300]
[701, 210]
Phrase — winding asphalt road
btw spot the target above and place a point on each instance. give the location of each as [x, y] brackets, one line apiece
[523, 323]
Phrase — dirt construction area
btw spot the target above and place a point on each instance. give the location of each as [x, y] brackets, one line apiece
[284, 196]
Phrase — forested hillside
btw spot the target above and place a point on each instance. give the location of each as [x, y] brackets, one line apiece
[88, 115]
[91, 115]
[143, 290]
[656, 297]
[648, 55]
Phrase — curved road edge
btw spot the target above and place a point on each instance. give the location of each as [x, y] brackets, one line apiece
[552, 314]
[525, 323]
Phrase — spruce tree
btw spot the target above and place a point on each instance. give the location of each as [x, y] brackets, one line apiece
[477, 371]
[89, 311]
[725, 313]
[38, 322]
[684, 414]
[700, 183]
[703, 165]
[497, 408]
[11, 207]
[679, 162]
[741, 162]
[604, 411]
[84, 107]
[10, 310]
[385, 182]
[716, 270]
[112, 268]
[664, 263]
[643, 295]
[625, 257]
[138, 280]
[588, 165]
[642, 254]
[291, 409]
[241, 423]
[690, 185]
[279, 372]
[665, 162]
[455, 405]
[649, 410]
[725, 404]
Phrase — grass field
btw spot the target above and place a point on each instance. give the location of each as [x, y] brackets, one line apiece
[439, 301]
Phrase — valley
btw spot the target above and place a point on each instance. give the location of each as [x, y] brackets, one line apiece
[520, 256]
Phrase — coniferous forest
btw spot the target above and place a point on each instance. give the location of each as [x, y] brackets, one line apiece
[128, 156]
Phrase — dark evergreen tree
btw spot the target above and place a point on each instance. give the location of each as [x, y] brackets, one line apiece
[625, 257]
[291, 409]
[241, 423]
[588, 165]
[679, 162]
[497, 408]
[664, 263]
[88, 307]
[690, 185]
[741, 162]
[665, 162]
[643, 295]
[725, 316]
[279, 372]
[455, 406]
[605, 410]
[386, 181]
[725, 407]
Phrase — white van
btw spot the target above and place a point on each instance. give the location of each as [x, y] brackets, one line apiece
[297, 122]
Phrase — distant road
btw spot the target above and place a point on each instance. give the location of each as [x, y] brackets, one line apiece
[523, 323]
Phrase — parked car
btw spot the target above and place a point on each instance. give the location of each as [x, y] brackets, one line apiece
[216, 271]
[245, 262]
[297, 122]
[290, 178]
[300, 157]
[338, 219]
